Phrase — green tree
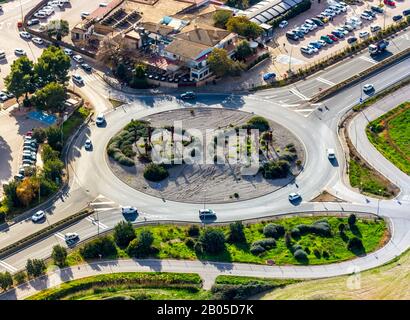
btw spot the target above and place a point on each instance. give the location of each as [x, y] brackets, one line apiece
[123, 233]
[239, 4]
[10, 191]
[51, 97]
[212, 240]
[59, 255]
[221, 65]
[21, 78]
[352, 219]
[243, 50]
[236, 233]
[139, 80]
[53, 169]
[6, 280]
[20, 277]
[52, 66]
[54, 137]
[58, 29]
[141, 246]
[101, 247]
[48, 153]
[35, 267]
[242, 26]
[221, 17]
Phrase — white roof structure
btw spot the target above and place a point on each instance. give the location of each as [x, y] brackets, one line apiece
[268, 10]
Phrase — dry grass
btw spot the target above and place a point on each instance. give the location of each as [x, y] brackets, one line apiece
[391, 281]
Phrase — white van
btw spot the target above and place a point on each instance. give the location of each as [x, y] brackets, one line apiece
[375, 28]
[2, 55]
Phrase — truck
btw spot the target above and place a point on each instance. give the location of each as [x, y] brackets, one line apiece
[378, 47]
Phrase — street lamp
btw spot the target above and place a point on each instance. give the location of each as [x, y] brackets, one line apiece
[378, 203]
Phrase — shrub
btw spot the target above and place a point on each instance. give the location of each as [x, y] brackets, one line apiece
[325, 254]
[273, 231]
[198, 247]
[39, 134]
[103, 246]
[155, 172]
[267, 243]
[288, 239]
[123, 233]
[259, 123]
[189, 242]
[142, 245]
[295, 233]
[20, 277]
[300, 255]
[275, 169]
[236, 233]
[59, 255]
[355, 244]
[296, 247]
[193, 230]
[6, 280]
[352, 219]
[35, 267]
[257, 249]
[212, 240]
[317, 254]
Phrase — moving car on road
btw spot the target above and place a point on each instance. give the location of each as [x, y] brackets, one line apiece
[37, 40]
[86, 67]
[129, 210]
[71, 237]
[78, 58]
[88, 144]
[100, 119]
[38, 216]
[206, 214]
[19, 52]
[25, 35]
[68, 52]
[268, 76]
[189, 95]
[283, 24]
[368, 88]
[77, 79]
[331, 153]
[294, 196]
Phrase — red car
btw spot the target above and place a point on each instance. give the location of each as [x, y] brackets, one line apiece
[29, 133]
[389, 3]
[331, 36]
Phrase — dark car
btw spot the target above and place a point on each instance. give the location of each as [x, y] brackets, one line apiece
[33, 22]
[398, 17]
[326, 39]
[406, 12]
[331, 36]
[300, 34]
[377, 9]
[292, 35]
[351, 40]
[370, 13]
[318, 22]
[189, 95]
[338, 34]
[86, 67]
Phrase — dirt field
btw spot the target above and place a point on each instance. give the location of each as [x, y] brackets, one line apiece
[208, 182]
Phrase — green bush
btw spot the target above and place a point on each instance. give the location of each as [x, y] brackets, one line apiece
[274, 231]
[236, 233]
[142, 245]
[355, 244]
[123, 233]
[352, 219]
[275, 169]
[189, 242]
[267, 243]
[300, 255]
[103, 246]
[256, 249]
[212, 240]
[193, 230]
[155, 172]
[259, 123]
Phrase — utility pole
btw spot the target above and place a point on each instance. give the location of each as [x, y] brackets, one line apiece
[204, 198]
[290, 59]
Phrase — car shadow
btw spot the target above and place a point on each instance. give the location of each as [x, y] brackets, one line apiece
[334, 162]
[296, 202]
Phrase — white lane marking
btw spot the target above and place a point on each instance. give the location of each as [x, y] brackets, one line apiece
[59, 235]
[7, 266]
[290, 105]
[368, 59]
[298, 94]
[304, 110]
[103, 209]
[316, 104]
[330, 83]
[93, 221]
[103, 202]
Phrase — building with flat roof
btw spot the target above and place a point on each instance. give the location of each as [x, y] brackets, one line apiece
[268, 10]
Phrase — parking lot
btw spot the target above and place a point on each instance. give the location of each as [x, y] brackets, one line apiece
[289, 52]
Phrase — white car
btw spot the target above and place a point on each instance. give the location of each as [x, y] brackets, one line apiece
[103, 4]
[3, 97]
[366, 16]
[313, 48]
[335, 9]
[19, 52]
[38, 41]
[38, 216]
[25, 35]
[283, 24]
[78, 58]
[368, 87]
[100, 119]
[129, 210]
[322, 42]
[206, 213]
[306, 50]
[375, 28]
[331, 153]
[356, 20]
[88, 144]
[77, 79]
[363, 34]
[84, 15]
[294, 196]
[70, 236]
[68, 52]
[40, 15]
[330, 12]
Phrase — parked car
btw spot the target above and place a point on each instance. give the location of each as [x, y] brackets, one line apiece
[331, 36]
[84, 15]
[19, 52]
[129, 210]
[323, 18]
[335, 9]
[269, 76]
[306, 50]
[86, 67]
[322, 42]
[78, 58]
[348, 27]
[100, 119]
[316, 44]
[370, 13]
[294, 196]
[326, 39]
[331, 153]
[189, 95]
[68, 52]
[25, 35]
[3, 97]
[283, 24]
[33, 22]
[206, 214]
[406, 12]
[368, 87]
[366, 16]
[318, 22]
[389, 3]
[77, 79]
[40, 15]
[88, 144]
[292, 35]
[397, 17]
[342, 30]
[71, 236]
[338, 34]
[38, 41]
[38, 216]
[313, 48]
[363, 34]
[377, 9]
[351, 40]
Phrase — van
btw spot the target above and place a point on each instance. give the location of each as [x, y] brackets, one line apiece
[375, 28]
[2, 54]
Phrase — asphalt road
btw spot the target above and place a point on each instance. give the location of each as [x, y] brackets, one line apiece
[93, 182]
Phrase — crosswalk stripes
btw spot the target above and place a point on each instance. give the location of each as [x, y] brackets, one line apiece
[101, 203]
[298, 94]
[368, 59]
[59, 235]
[97, 223]
[330, 83]
[7, 266]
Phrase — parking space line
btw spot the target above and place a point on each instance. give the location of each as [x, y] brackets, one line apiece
[330, 83]
[7, 266]
[298, 94]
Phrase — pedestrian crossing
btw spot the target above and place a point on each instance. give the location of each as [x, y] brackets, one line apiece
[368, 59]
[7, 266]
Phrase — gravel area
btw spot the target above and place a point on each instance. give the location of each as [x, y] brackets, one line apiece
[211, 183]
